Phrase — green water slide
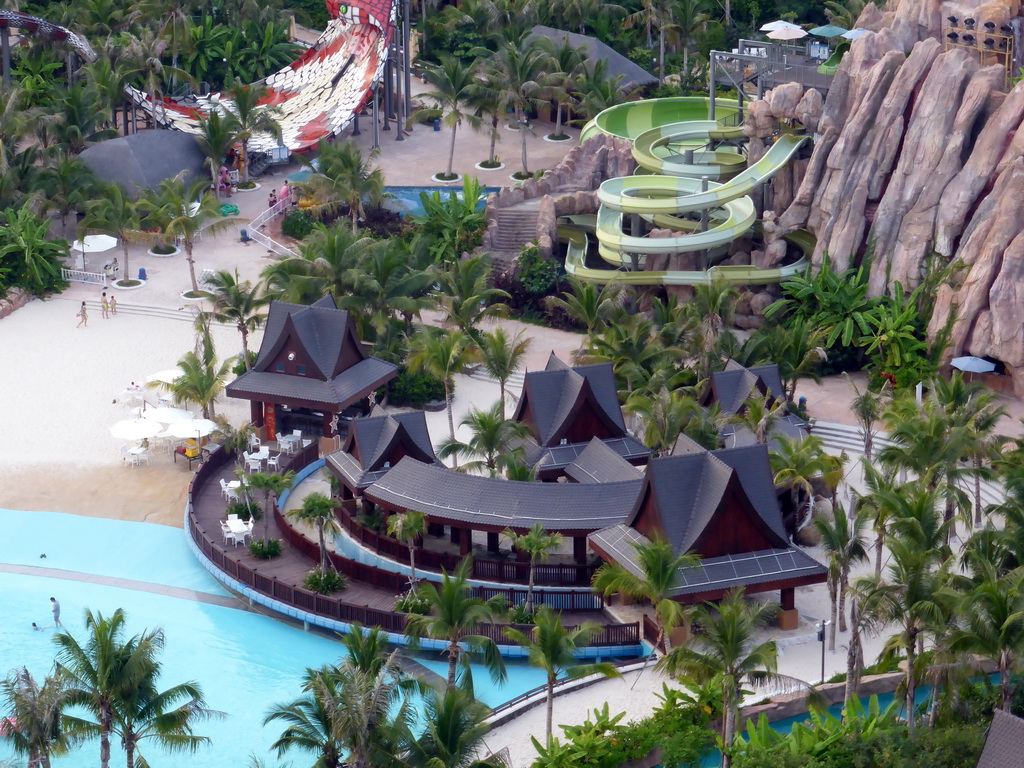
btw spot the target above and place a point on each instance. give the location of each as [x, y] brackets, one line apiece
[629, 120]
[663, 150]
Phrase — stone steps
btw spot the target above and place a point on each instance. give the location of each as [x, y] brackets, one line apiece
[514, 228]
[184, 313]
[514, 383]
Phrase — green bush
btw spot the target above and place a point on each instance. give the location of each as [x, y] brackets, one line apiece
[244, 509]
[538, 275]
[325, 583]
[411, 602]
[415, 389]
[297, 224]
[268, 552]
[518, 614]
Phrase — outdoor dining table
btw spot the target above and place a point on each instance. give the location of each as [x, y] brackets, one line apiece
[183, 451]
[294, 443]
[238, 526]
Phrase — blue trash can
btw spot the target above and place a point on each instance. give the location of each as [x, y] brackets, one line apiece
[142, 273]
[245, 236]
[437, 124]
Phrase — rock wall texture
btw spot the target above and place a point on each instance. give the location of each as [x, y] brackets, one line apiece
[919, 161]
[15, 299]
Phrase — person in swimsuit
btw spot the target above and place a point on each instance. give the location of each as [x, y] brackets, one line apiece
[55, 607]
[84, 315]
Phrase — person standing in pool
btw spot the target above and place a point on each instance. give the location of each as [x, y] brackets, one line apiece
[55, 607]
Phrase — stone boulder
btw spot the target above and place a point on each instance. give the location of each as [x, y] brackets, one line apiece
[808, 111]
[783, 100]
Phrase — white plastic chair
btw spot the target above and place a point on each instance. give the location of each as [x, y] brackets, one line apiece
[142, 458]
[226, 533]
[273, 463]
[232, 517]
[254, 442]
[253, 463]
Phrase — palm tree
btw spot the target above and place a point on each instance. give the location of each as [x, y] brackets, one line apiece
[201, 382]
[166, 718]
[867, 407]
[390, 284]
[455, 612]
[144, 55]
[566, 64]
[516, 72]
[454, 726]
[367, 649]
[537, 544]
[659, 566]
[249, 117]
[842, 540]
[910, 597]
[308, 725]
[216, 137]
[182, 210]
[25, 244]
[442, 355]
[344, 178]
[502, 357]
[238, 302]
[273, 484]
[598, 90]
[452, 84]
[880, 485]
[103, 673]
[408, 527]
[664, 415]
[466, 296]
[689, 23]
[588, 304]
[759, 416]
[318, 510]
[552, 646]
[485, 100]
[116, 214]
[726, 654]
[989, 624]
[66, 183]
[33, 725]
[795, 348]
[492, 436]
[797, 462]
[329, 262]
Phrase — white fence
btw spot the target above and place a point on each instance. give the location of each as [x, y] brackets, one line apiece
[269, 243]
[81, 276]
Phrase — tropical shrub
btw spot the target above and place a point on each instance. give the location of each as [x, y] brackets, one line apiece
[326, 583]
[297, 224]
[415, 389]
[412, 602]
[537, 275]
[454, 225]
[265, 552]
[244, 509]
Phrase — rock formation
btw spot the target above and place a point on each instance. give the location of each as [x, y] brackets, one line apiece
[918, 163]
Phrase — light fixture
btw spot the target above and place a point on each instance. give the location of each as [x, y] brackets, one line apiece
[291, 356]
[1006, 29]
[968, 39]
[989, 42]
[952, 19]
[969, 23]
[990, 25]
[953, 36]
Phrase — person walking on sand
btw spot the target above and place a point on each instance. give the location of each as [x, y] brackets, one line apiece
[104, 307]
[113, 304]
[84, 315]
[55, 607]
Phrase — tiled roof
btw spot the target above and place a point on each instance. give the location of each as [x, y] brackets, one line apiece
[321, 329]
[374, 439]
[337, 393]
[599, 463]
[485, 501]
[555, 393]
[736, 383]
[546, 459]
[1004, 743]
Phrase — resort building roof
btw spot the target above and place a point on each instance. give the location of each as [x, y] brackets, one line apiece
[598, 462]
[1004, 742]
[730, 387]
[633, 75]
[311, 357]
[493, 504]
[376, 443]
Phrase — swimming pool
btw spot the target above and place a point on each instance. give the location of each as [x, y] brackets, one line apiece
[245, 662]
[406, 200]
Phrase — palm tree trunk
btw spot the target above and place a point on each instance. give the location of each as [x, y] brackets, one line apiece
[453, 662]
[423, 10]
[124, 251]
[844, 583]
[879, 541]
[494, 136]
[501, 385]
[551, 706]
[243, 161]
[911, 679]
[267, 512]
[191, 266]
[529, 599]
[129, 750]
[412, 560]
[728, 727]
[558, 119]
[104, 742]
[522, 139]
[1004, 681]
[245, 346]
[833, 594]
[977, 491]
[851, 655]
[451, 151]
[354, 215]
[323, 548]
[661, 55]
[728, 13]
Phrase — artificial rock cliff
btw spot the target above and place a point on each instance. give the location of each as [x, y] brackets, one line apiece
[919, 161]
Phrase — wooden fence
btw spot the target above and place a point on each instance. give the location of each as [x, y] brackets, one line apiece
[333, 606]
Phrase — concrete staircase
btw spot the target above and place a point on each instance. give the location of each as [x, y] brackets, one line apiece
[514, 383]
[516, 226]
[184, 313]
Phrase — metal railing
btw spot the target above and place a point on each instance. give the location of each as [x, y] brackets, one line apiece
[266, 241]
[82, 276]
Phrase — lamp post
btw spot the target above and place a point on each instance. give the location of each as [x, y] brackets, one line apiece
[822, 626]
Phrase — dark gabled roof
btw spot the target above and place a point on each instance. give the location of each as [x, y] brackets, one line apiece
[372, 440]
[556, 394]
[730, 387]
[345, 389]
[484, 501]
[1004, 743]
[633, 75]
[685, 445]
[598, 463]
[556, 457]
[323, 337]
[689, 489]
[618, 544]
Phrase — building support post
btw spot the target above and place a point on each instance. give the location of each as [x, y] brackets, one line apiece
[466, 541]
[579, 549]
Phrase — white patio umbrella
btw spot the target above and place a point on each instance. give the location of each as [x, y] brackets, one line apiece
[787, 33]
[135, 429]
[771, 26]
[93, 244]
[167, 415]
[971, 364]
[854, 34]
[167, 376]
[192, 428]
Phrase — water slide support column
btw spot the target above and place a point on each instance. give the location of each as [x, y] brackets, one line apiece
[5, 44]
[376, 117]
[711, 85]
[704, 222]
[387, 94]
[408, 59]
[399, 103]
[636, 229]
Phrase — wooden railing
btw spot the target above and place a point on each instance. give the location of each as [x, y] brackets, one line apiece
[333, 606]
[512, 571]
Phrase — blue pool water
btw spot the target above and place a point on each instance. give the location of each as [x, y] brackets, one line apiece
[245, 662]
[407, 201]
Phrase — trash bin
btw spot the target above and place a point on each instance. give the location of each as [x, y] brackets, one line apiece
[245, 236]
[437, 124]
[142, 273]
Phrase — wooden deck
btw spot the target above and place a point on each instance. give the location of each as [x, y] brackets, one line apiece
[371, 592]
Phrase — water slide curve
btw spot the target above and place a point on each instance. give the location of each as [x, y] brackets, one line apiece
[678, 176]
[319, 93]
